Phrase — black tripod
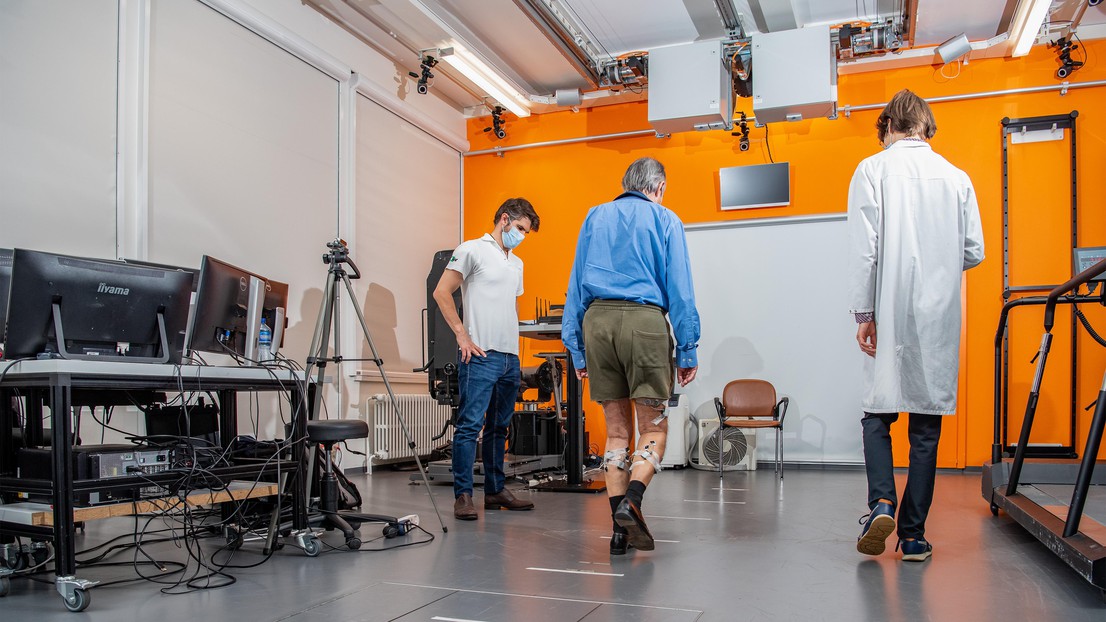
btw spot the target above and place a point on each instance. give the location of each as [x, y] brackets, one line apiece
[336, 258]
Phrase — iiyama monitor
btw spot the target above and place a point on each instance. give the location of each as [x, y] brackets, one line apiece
[225, 320]
[96, 309]
[756, 185]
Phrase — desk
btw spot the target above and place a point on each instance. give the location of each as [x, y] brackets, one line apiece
[574, 395]
[51, 382]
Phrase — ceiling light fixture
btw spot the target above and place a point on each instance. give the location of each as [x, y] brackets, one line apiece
[486, 79]
[1026, 24]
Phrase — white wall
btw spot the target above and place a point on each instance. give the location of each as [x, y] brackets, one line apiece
[57, 125]
[796, 333]
[246, 132]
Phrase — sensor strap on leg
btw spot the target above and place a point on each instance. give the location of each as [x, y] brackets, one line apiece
[648, 455]
[619, 458]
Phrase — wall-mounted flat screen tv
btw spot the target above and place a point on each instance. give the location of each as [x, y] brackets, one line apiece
[756, 185]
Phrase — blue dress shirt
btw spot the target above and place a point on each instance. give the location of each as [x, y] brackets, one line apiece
[632, 249]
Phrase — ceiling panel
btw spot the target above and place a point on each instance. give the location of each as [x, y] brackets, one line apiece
[621, 26]
[940, 20]
[508, 34]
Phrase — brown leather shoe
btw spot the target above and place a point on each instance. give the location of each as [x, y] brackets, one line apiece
[504, 499]
[463, 509]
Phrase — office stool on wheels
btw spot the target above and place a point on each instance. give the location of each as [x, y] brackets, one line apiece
[328, 433]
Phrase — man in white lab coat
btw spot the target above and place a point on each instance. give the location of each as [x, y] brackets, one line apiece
[913, 228]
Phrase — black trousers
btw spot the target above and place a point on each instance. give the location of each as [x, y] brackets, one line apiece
[924, 432]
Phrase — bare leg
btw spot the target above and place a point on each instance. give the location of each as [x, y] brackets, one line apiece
[651, 436]
[619, 416]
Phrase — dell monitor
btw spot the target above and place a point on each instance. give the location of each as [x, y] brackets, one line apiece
[230, 303]
[95, 309]
[5, 285]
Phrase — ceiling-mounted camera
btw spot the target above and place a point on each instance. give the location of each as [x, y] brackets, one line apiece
[424, 76]
[1064, 48]
[743, 132]
[498, 124]
[632, 70]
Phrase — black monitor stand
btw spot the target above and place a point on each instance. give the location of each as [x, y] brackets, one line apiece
[574, 447]
[59, 335]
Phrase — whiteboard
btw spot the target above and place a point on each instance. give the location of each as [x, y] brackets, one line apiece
[771, 295]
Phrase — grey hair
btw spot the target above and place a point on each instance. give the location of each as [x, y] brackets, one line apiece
[645, 175]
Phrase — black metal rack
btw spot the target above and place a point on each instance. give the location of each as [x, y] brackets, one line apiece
[1001, 478]
[1010, 127]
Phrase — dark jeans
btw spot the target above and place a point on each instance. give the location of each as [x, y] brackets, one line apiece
[925, 432]
[489, 387]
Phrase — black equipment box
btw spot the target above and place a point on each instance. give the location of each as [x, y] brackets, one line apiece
[100, 462]
[535, 433]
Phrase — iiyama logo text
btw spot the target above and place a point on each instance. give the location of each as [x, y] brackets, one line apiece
[104, 288]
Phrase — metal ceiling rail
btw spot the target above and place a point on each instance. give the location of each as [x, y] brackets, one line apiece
[846, 110]
[1063, 87]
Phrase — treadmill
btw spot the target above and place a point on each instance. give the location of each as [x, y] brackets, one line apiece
[1061, 502]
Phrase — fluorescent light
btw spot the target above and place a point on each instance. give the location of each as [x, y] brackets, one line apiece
[1026, 24]
[488, 80]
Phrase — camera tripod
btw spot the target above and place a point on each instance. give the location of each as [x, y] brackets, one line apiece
[337, 257]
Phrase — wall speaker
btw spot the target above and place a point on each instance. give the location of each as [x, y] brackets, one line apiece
[954, 49]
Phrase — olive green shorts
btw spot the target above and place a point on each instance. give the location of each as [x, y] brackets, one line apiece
[628, 350]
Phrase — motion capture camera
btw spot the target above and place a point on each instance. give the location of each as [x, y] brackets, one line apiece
[425, 76]
[498, 128]
[1064, 48]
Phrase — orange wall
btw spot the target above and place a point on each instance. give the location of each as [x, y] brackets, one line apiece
[563, 182]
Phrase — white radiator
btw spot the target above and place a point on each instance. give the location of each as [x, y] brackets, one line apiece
[424, 417]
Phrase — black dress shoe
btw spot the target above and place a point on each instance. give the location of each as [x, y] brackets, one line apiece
[619, 544]
[628, 516]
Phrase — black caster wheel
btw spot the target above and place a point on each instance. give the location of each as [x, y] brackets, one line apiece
[79, 601]
[234, 539]
[353, 543]
[994, 510]
[312, 548]
[39, 556]
[5, 586]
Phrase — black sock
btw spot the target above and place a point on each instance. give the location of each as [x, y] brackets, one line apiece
[635, 492]
[614, 506]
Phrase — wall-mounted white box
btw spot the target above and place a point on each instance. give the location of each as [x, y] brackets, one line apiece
[794, 75]
[690, 88]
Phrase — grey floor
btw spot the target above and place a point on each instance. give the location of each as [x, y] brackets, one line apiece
[754, 550]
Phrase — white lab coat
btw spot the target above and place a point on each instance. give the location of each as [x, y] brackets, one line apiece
[913, 228]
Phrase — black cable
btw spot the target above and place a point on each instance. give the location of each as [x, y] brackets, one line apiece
[767, 144]
[1090, 329]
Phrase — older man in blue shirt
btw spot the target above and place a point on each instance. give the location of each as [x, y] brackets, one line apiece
[631, 270]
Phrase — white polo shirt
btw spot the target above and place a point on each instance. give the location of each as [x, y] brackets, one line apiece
[492, 282]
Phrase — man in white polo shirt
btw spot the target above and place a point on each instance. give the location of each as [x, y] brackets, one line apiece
[490, 278]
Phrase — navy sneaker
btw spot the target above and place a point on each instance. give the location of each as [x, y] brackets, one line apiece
[915, 550]
[880, 525]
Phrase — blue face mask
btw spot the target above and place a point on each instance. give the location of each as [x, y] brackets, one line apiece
[512, 237]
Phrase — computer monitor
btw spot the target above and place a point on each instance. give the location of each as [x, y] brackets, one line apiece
[95, 309]
[755, 185]
[230, 303]
[165, 266]
[5, 285]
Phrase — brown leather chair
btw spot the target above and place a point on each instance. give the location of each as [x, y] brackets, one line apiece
[751, 404]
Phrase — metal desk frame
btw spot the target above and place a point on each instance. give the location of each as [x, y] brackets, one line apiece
[51, 382]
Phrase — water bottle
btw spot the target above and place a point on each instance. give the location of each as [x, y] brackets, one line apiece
[264, 342]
